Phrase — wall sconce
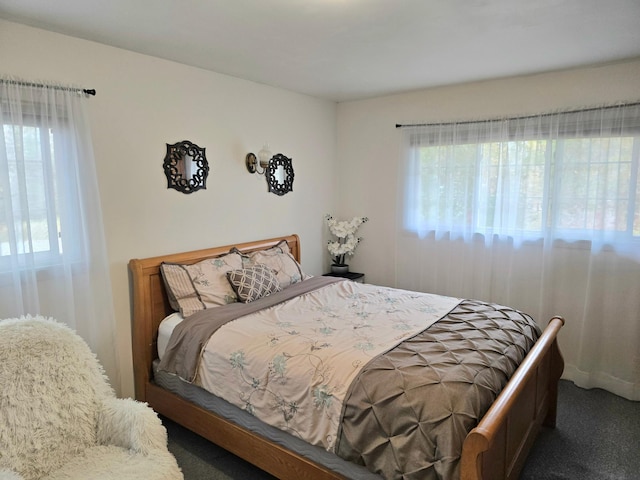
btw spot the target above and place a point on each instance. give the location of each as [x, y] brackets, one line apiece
[264, 155]
[277, 169]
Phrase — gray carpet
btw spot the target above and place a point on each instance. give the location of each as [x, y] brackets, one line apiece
[597, 438]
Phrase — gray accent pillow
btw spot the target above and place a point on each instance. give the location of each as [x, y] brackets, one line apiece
[253, 282]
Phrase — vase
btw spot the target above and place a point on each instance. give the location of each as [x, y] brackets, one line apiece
[339, 268]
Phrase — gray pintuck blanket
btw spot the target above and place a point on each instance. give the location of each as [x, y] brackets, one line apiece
[411, 408]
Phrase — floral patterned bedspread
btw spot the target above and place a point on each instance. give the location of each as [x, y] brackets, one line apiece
[292, 364]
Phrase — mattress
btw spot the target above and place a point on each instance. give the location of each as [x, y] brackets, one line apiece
[165, 330]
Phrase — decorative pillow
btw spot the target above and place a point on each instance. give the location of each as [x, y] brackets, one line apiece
[279, 259]
[210, 280]
[191, 288]
[182, 294]
[253, 282]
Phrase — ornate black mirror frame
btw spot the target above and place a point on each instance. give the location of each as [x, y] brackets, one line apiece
[277, 185]
[181, 176]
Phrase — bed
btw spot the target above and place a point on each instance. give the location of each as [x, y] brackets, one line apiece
[496, 448]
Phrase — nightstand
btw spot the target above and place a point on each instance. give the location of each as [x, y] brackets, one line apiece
[353, 276]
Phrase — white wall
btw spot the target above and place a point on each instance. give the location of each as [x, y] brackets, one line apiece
[142, 104]
[369, 143]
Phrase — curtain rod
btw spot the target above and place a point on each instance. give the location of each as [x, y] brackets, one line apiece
[86, 91]
[524, 117]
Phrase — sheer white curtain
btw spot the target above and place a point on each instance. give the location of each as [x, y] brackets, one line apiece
[541, 213]
[52, 250]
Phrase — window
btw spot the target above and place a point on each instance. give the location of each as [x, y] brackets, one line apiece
[565, 176]
[29, 193]
[40, 211]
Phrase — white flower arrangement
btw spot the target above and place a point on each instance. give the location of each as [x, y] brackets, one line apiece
[346, 242]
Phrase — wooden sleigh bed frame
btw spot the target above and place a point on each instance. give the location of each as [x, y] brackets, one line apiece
[496, 449]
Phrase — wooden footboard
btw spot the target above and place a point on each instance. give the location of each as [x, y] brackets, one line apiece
[496, 449]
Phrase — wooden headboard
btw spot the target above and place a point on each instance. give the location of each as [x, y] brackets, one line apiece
[150, 304]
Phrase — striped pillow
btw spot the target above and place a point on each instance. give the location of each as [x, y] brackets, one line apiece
[182, 294]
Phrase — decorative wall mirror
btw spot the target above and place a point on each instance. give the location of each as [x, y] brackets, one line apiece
[279, 174]
[186, 167]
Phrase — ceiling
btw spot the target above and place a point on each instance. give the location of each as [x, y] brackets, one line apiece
[352, 49]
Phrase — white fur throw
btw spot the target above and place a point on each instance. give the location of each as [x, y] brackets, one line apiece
[9, 475]
[59, 418]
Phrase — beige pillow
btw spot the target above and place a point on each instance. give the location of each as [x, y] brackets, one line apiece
[191, 288]
[209, 279]
[279, 259]
[253, 282]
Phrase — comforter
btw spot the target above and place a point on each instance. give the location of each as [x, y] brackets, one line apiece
[393, 380]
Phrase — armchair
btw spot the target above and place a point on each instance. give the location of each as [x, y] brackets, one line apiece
[59, 417]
